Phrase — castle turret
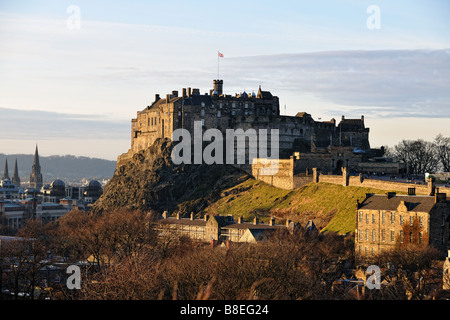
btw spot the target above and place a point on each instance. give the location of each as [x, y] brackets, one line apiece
[218, 87]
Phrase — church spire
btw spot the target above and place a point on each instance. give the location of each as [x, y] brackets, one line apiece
[6, 173]
[16, 178]
[36, 157]
[36, 175]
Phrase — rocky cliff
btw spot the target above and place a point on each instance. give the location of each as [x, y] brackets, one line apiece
[150, 181]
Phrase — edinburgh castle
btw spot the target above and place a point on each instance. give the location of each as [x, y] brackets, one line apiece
[326, 145]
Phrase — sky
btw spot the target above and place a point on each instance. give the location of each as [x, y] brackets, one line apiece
[74, 73]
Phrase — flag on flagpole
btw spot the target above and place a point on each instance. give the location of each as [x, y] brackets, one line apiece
[220, 54]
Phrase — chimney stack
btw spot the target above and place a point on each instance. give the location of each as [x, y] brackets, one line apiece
[288, 222]
[189, 92]
[175, 93]
[157, 97]
[240, 219]
[391, 194]
[192, 216]
[255, 221]
[272, 221]
[184, 93]
[205, 217]
[178, 215]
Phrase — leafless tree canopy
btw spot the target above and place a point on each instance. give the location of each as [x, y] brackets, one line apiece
[128, 260]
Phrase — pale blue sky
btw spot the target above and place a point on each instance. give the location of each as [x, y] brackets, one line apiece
[317, 56]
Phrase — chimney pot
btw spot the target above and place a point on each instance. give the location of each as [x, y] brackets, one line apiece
[255, 220]
[192, 216]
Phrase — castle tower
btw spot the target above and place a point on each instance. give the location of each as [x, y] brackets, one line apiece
[16, 178]
[6, 173]
[218, 87]
[36, 175]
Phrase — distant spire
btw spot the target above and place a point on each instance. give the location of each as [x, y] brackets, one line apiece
[36, 180]
[16, 178]
[6, 173]
[36, 157]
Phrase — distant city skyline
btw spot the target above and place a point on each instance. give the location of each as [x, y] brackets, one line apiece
[74, 73]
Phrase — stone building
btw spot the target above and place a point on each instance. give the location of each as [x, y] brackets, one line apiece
[384, 221]
[218, 228]
[261, 110]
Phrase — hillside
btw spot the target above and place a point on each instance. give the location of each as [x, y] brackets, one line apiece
[150, 181]
[67, 168]
[331, 207]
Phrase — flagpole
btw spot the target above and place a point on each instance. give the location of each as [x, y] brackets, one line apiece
[218, 57]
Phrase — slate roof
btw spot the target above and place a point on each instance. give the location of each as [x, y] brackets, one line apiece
[183, 221]
[413, 203]
[196, 100]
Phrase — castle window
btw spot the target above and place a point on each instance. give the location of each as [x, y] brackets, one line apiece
[219, 114]
[373, 217]
[383, 235]
[401, 236]
[392, 217]
[373, 235]
[246, 105]
[367, 235]
[360, 216]
[392, 236]
[367, 218]
[401, 220]
[202, 113]
[421, 221]
[383, 217]
[360, 235]
[233, 105]
[420, 237]
[220, 105]
[411, 220]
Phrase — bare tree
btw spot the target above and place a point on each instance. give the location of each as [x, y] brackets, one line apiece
[443, 151]
[420, 156]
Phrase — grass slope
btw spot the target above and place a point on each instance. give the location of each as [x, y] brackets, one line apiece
[331, 207]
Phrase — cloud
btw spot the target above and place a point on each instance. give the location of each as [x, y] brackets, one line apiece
[44, 125]
[406, 83]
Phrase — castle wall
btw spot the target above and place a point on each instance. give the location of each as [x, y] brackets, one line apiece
[283, 178]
